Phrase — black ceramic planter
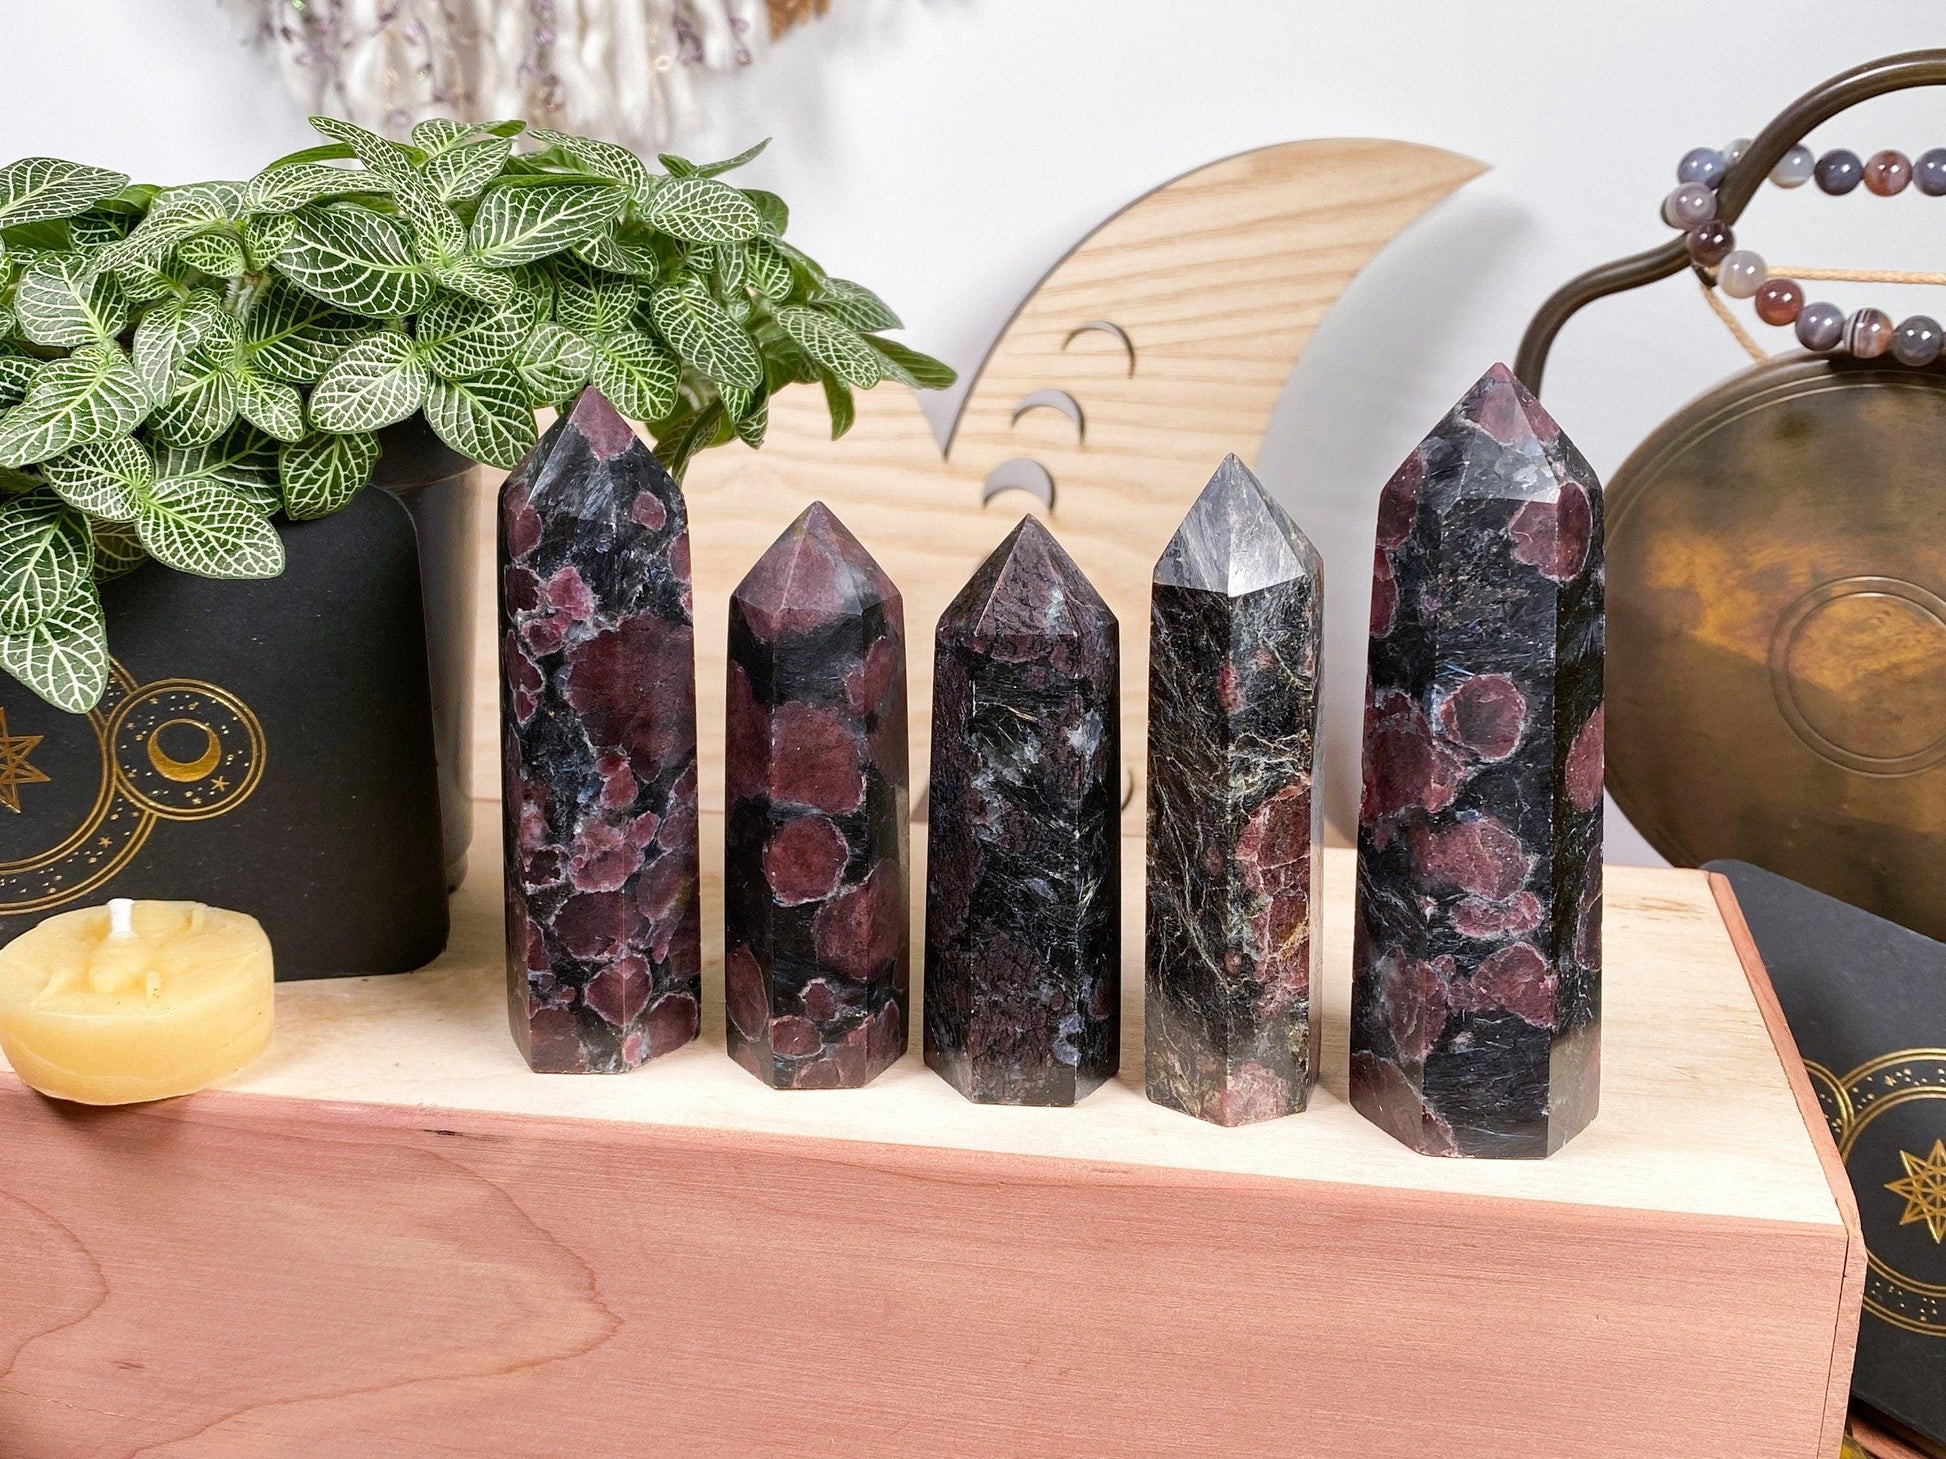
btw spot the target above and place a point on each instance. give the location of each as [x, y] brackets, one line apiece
[436, 484]
[266, 746]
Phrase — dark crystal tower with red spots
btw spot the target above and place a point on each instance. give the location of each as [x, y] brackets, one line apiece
[1476, 998]
[1023, 850]
[598, 739]
[815, 936]
[1236, 627]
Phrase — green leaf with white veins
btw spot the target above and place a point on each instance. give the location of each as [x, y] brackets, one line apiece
[199, 526]
[118, 550]
[38, 188]
[272, 406]
[909, 367]
[265, 237]
[203, 405]
[358, 260]
[220, 254]
[590, 302]
[374, 383]
[175, 215]
[45, 557]
[768, 269]
[16, 376]
[477, 281]
[636, 373]
[280, 189]
[552, 363]
[291, 335]
[487, 418]
[386, 160]
[243, 459]
[702, 210]
[64, 657]
[104, 479]
[855, 305]
[520, 221]
[459, 338]
[323, 471]
[92, 394]
[833, 345]
[63, 301]
[603, 159]
[704, 334]
[166, 334]
[460, 174]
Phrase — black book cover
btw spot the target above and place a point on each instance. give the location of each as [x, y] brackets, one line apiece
[1866, 1002]
[264, 746]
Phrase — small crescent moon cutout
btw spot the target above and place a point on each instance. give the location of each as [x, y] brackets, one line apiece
[1021, 473]
[1111, 329]
[1060, 402]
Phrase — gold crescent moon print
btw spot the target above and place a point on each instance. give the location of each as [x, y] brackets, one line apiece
[175, 749]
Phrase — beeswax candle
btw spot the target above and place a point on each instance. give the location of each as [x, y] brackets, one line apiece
[135, 1000]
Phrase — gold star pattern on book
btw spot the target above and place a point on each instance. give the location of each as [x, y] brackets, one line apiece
[1924, 1189]
[14, 769]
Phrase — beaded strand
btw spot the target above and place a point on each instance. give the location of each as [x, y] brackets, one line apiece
[1742, 273]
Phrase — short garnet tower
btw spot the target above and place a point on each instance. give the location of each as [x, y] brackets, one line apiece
[1236, 620]
[1476, 999]
[598, 740]
[816, 926]
[1023, 898]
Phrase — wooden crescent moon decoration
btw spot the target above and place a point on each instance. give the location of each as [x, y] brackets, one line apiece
[1173, 327]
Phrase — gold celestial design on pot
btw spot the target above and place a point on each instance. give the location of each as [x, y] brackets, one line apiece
[14, 769]
[174, 749]
[1924, 1189]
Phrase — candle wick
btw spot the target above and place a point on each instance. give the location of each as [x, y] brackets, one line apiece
[121, 917]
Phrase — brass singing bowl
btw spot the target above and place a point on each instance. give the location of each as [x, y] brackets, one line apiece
[1777, 632]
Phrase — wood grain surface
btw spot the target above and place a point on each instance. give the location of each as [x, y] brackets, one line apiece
[388, 1238]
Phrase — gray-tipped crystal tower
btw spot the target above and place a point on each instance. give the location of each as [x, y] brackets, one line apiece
[1235, 632]
[1476, 989]
[1023, 864]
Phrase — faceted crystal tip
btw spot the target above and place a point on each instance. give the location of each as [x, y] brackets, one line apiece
[1506, 410]
[1236, 539]
[597, 422]
[1027, 586]
[815, 573]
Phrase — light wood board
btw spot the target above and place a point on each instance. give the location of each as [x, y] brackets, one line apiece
[389, 1238]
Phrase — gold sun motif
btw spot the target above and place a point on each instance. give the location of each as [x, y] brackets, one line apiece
[1924, 1189]
[14, 769]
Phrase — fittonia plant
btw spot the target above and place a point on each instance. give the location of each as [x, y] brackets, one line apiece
[178, 365]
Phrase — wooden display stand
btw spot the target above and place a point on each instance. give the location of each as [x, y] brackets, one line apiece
[389, 1239]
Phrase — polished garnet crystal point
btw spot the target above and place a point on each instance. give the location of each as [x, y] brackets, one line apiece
[1023, 901]
[1477, 958]
[598, 736]
[1232, 948]
[816, 964]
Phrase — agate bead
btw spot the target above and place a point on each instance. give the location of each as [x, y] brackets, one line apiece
[1701, 164]
[1839, 171]
[1929, 172]
[1820, 327]
[1779, 301]
[1741, 273]
[1688, 205]
[1888, 172]
[1710, 242]
[1868, 333]
[1734, 149]
[1917, 340]
[1796, 167]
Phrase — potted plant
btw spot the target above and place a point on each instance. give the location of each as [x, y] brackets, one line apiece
[180, 365]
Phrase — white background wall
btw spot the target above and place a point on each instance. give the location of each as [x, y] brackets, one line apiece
[948, 151]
